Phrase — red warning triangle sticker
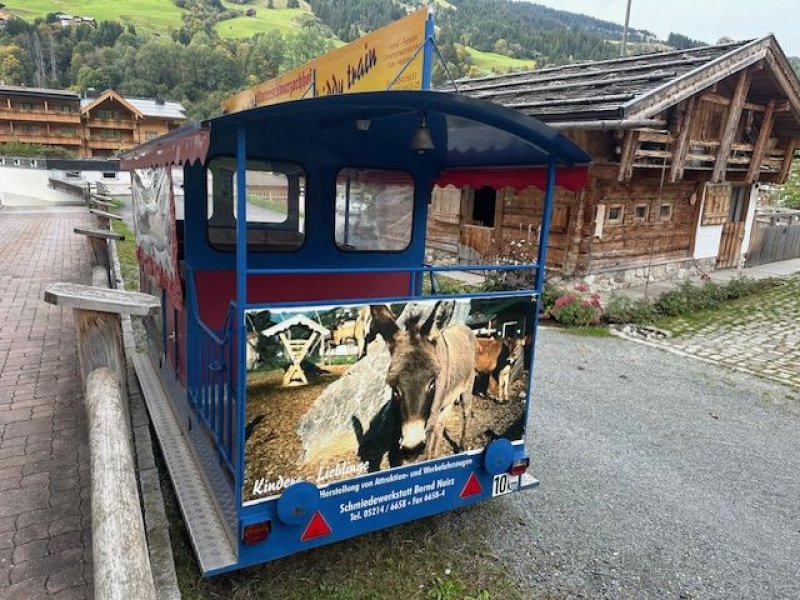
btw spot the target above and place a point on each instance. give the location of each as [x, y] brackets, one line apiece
[317, 527]
[472, 487]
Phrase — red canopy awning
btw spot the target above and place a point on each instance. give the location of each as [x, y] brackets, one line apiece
[569, 178]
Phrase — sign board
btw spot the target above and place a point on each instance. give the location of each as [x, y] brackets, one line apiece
[372, 62]
[340, 392]
[294, 84]
[369, 64]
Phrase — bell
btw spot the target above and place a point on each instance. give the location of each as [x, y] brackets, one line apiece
[422, 140]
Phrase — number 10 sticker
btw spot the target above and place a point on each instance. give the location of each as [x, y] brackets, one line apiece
[504, 484]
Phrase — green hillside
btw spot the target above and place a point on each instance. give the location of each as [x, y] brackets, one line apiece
[152, 16]
[490, 62]
[284, 20]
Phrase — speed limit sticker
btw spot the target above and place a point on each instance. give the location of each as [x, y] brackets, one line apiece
[504, 484]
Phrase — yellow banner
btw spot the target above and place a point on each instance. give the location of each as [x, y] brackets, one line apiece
[370, 63]
[292, 85]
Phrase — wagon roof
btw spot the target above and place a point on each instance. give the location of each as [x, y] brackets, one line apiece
[468, 133]
[638, 86]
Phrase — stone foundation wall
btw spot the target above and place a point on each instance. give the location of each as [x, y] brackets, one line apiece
[636, 276]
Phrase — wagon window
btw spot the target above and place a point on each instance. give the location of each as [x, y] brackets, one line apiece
[374, 210]
[275, 205]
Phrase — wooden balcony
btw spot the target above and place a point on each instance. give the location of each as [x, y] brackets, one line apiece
[39, 116]
[40, 138]
[97, 143]
[94, 123]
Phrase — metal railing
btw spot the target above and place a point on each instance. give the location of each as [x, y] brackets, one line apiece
[211, 384]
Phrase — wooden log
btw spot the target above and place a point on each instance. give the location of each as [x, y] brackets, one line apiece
[119, 546]
[100, 276]
[102, 203]
[105, 215]
[731, 125]
[87, 297]
[679, 153]
[99, 233]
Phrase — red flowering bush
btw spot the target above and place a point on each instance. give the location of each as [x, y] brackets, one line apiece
[574, 308]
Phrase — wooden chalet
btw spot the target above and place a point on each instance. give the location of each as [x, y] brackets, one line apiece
[680, 142]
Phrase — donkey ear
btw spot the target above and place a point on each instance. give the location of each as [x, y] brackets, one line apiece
[439, 318]
[383, 322]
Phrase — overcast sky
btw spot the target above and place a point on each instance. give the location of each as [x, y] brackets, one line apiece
[706, 20]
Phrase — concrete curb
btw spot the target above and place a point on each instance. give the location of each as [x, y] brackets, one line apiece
[162, 562]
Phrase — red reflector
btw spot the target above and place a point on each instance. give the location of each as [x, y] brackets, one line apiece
[472, 487]
[317, 527]
[257, 532]
[518, 467]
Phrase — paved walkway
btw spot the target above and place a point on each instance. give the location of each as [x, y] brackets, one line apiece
[45, 527]
[759, 335]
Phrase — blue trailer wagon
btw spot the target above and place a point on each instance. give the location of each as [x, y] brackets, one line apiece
[310, 377]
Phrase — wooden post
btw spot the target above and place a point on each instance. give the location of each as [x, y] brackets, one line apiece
[731, 125]
[119, 545]
[761, 144]
[627, 155]
[682, 143]
[786, 166]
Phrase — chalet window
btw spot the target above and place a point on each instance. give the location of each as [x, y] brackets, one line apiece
[25, 106]
[150, 135]
[72, 175]
[616, 212]
[275, 205]
[640, 212]
[65, 108]
[109, 175]
[107, 114]
[665, 212]
[68, 131]
[374, 210]
[483, 206]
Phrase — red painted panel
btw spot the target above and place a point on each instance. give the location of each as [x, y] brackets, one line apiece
[216, 289]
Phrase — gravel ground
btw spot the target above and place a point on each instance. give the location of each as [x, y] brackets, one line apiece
[662, 477]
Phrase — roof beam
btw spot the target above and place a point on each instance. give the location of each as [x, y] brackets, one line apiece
[629, 146]
[731, 125]
[761, 144]
[682, 145]
[694, 82]
[565, 101]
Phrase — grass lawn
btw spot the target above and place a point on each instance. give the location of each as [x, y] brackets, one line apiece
[147, 15]
[282, 20]
[126, 250]
[489, 62]
[768, 307]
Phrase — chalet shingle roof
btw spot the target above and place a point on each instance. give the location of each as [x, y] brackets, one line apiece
[602, 90]
[38, 92]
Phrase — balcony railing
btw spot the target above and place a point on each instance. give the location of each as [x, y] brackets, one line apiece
[39, 116]
[40, 138]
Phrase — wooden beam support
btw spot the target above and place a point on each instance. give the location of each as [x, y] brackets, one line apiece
[679, 153]
[626, 157]
[761, 144]
[787, 160]
[731, 125]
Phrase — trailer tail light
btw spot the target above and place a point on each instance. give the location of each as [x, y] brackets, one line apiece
[257, 532]
[519, 466]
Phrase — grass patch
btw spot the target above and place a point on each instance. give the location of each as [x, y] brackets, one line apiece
[282, 20]
[126, 250]
[151, 16]
[594, 331]
[490, 62]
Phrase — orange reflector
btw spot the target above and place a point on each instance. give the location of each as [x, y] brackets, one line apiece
[472, 487]
[257, 532]
[518, 467]
[317, 527]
